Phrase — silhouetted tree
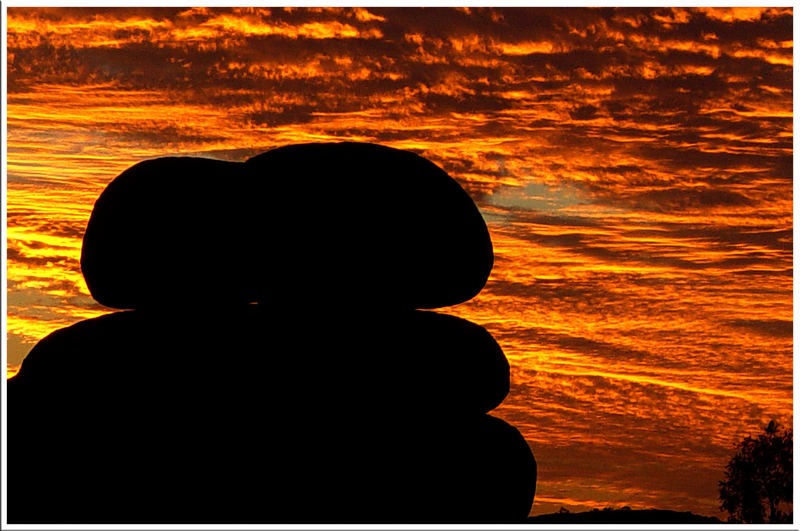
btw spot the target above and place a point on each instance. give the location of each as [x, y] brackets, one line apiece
[758, 479]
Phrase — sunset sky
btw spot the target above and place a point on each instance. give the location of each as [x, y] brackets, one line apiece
[634, 167]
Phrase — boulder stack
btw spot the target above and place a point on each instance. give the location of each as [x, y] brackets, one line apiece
[273, 363]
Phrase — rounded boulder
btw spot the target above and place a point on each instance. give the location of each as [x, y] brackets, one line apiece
[368, 224]
[171, 230]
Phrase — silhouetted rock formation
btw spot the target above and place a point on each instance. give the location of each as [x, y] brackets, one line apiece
[199, 406]
[366, 223]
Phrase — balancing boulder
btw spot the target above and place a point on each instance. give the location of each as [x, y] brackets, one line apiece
[369, 224]
[170, 231]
